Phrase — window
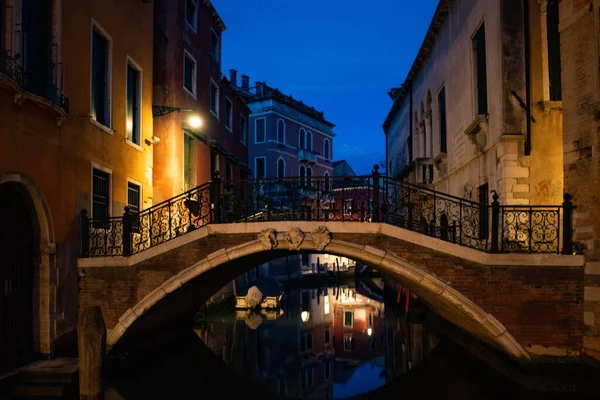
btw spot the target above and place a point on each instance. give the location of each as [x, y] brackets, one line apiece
[189, 162]
[189, 73]
[259, 167]
[306, 341]
[554, 65]
[191, 13]
[348, 342]
[101, 48]
[484, 202]
[309, 144]
[348, 318]
[133, 196]
[100, 194]
[259, 130]
[480, 71]
[327, 337]
[243, 129]
[280, 168]
[326, 149]
[302, 138]
[134, 104]
[214, 98]
[214, 46]
[228, 114]
[302, 174]
[348, 203]
[280, 131]
[442, 111]
[35, 33]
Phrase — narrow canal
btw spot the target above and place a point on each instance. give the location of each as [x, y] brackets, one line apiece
[364, 338]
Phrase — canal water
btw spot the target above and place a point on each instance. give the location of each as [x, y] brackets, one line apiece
[356, 339]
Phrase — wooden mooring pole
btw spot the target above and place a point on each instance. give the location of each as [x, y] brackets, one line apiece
[91, 333]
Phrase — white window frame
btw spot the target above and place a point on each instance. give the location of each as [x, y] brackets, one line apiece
[326, 142]
[95, 26]
[216, 57]
[284, 131]
[284, 166]
[110, 187]
[243, 135]
[194, 27]
[217, 100]
[256, 130]
[229, 118]
[351, 322]
[194, 76]
[138, 68]
[256, 166]
[137, 183]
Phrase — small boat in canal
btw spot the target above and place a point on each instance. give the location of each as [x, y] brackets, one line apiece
[264, 292]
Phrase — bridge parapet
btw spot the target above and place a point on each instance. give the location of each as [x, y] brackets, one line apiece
[493, 228]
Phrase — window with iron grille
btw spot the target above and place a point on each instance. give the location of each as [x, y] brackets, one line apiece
[134, 193]
[100, 195]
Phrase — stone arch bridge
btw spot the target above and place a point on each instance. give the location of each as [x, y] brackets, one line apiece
[495, 271]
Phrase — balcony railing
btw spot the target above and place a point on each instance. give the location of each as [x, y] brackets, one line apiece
[491, 228]
[307, 155]
[37, 85]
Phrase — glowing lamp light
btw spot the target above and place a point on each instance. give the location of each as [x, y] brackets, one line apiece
[195, 121]
[304, 316]
[369, 331]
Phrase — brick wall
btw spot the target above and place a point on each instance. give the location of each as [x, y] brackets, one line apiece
[581, 106]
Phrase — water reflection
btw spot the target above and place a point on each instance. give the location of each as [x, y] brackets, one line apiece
[326, 342]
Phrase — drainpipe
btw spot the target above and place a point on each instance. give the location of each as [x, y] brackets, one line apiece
[527, 77]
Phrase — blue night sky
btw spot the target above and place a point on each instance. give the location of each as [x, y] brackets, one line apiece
[340, 56]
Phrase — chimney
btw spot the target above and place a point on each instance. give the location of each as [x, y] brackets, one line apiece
[233, 77]
[245, 82]
[259, 88]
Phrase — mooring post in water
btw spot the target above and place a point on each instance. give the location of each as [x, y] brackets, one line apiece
[91, 333]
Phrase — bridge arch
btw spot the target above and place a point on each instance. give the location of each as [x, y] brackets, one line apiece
[270, 244]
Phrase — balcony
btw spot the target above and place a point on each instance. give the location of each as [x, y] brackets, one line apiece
[29, 85]
[307, 155]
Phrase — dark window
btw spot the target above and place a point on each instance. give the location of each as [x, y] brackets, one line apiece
[228, 114]
[2, 28]
[100, 195]
[191, 13]
[189, 74]
[280, 132]
[260, 130]
[214, 46]
[243, 129]
[260, 168]
[37, 46]
[326, 336]
[554, 65]
[133, 105]
[484, 201]
[133, 197]
[100, 79]
[214, 98]
[480, 70]
[348, 318]
[189, 165]
[309, 144]
[302, 139]
[442, 111]
[280, 168]
[326, 150]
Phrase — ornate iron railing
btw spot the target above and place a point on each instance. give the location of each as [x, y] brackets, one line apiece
[492, 228]
[40, 86]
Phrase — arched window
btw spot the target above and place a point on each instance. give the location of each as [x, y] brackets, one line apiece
[326, 149]
[302, 175]
[302, 138]
[280, 168]
[326, 186]
[281, 131]
[308, 176]
[309, 141]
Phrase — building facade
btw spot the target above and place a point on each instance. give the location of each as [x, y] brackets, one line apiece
[580, 37]
[287, 137]
[187, 75]
[480, 109]
[75, 107]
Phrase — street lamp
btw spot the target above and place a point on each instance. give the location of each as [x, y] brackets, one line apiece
[194, 120]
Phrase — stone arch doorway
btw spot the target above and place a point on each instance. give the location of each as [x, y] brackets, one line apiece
[19, 249]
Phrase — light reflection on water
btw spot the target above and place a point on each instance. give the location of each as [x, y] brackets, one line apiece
[324, 342]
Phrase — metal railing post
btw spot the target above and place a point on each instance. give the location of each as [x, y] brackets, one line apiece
[495, 222]
[567, 224]
[126, 233]
[85, 234]
[215, 192]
